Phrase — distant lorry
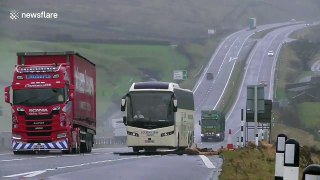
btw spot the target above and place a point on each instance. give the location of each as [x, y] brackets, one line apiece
[212, 125]
[252, 23]
[53, 99]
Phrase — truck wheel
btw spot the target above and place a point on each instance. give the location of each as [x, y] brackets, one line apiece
[17, 152]
[76, 149]
[69, 151]
[83, 147]
[89, 143]
[135, 149]
[203, 139]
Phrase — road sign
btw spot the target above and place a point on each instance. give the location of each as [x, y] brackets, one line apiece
[260, 98]
[180, 75]
[264, 107]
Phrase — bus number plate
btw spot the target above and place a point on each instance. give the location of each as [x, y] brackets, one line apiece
[149, 141]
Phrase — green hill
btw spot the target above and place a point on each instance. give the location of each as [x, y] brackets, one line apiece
[152, 19]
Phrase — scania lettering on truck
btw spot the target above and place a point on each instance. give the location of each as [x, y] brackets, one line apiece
[53, 99]
[158, 115]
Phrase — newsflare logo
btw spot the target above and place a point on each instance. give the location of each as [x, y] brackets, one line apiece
[14, 14]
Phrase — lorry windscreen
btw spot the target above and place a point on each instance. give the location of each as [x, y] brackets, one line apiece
[209, 122]
[150, 109]
[38, 97]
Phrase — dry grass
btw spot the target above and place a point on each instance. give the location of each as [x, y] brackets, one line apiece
[259, 163]
[304, 138]
[248, 163]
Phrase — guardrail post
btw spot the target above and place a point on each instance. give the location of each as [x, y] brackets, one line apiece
[291, 160]
[312, 172]
[280, 148]
[2, 142]
[242, 129]
[238, 146]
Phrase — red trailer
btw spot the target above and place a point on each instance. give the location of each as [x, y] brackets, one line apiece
[53, 99]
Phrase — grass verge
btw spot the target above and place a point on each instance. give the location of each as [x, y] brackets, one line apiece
[309, 112]
[248, 164]
[261, 34]
[259, 163]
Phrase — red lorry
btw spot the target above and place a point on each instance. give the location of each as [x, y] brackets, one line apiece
[53, 99]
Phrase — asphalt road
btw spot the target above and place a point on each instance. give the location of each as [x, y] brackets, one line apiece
[260, 67]
[208, 94]
[104, 164]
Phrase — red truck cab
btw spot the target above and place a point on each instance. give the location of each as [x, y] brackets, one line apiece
[53, 99]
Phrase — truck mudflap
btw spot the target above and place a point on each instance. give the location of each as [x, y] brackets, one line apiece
[58, 145]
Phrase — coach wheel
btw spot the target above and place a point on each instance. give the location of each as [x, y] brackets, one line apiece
[135, 149]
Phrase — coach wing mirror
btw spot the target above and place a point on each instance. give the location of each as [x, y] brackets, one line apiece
[7, 95]
[71, 92]
[123, 103]
[124, 120]
[175, 104]
[199, 122]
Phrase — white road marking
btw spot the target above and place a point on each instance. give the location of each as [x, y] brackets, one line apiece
[212, 58]
[207, 161]
[225, 86]
[250, 58]
[5, 154]
[230, 71]
[243, 79]
[232, 58]
[17, 159]
[225, 57]
[27, 174]
[34, 173]
[46, 157]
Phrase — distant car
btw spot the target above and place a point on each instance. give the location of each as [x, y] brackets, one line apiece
[293, 20]
[263, 82]
[270, 53]
[209, 76]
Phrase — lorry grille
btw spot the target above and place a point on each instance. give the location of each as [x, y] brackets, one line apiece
[39, 117]
[32, 123]
[38, 123]
[39, 133]
[39, 128]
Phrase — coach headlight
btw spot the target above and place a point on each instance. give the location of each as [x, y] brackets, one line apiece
[218, 134]
[201, 135]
